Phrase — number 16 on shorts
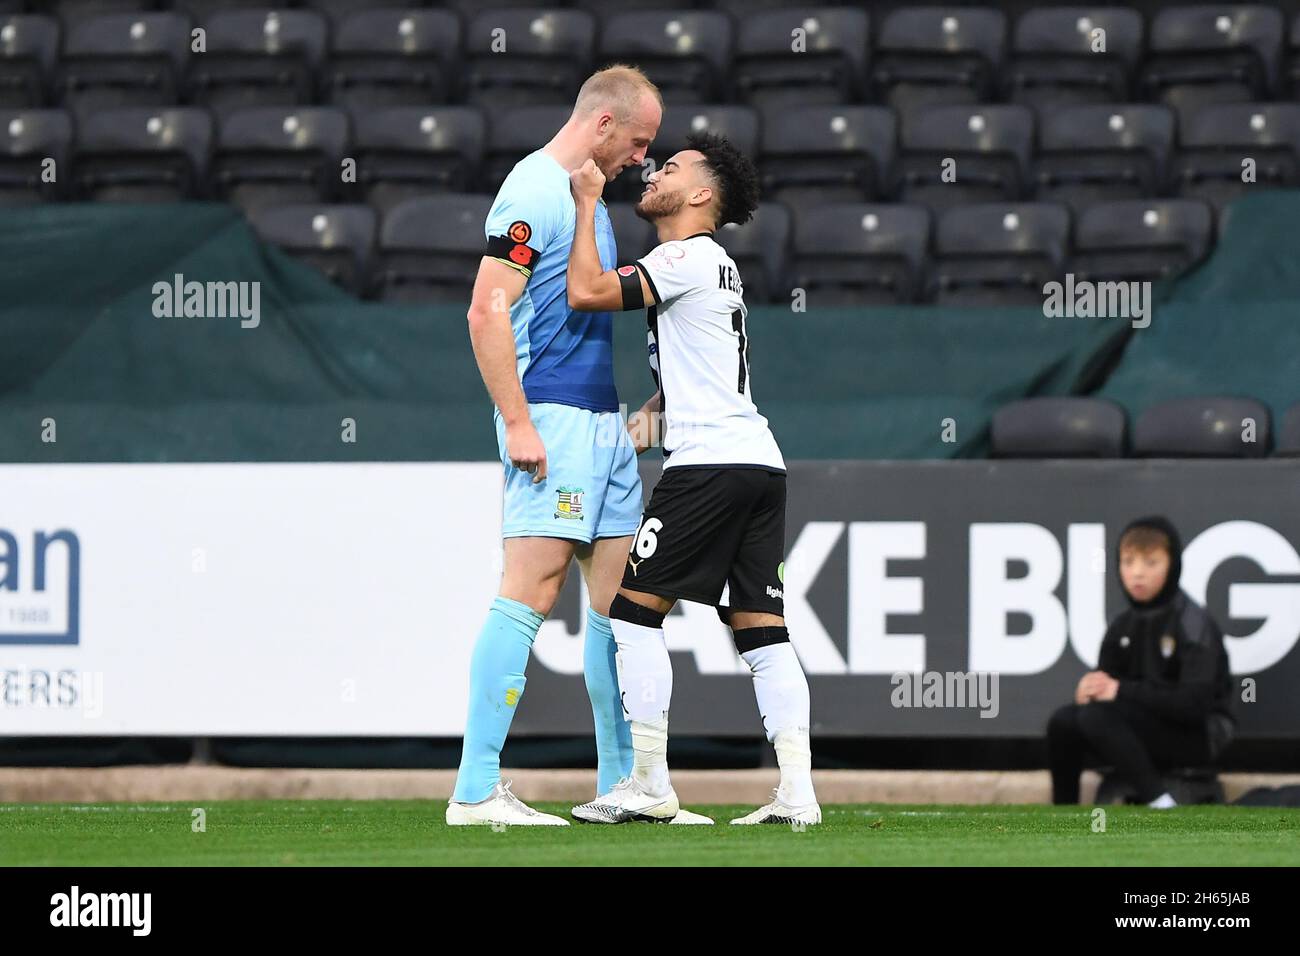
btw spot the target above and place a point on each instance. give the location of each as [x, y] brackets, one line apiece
[645, 543]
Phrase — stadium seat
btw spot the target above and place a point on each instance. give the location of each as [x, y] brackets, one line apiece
[685, 52]
[761, 250]
[633, 236]
[1210, 427]
[258, 57]
[1068, 56]
[392, 57]
[998, 253]
[1212, 54]
[1052, 427]
[938, 55]
[519, 57]
[27, 139]
[273, 155]
[828, 154]
[1140, 239]
[339, 11]
[604, 9]
[1291, 80]
[514, 134]
[430, 248]
[337, 240]
[70, 12]
[738, 123]
[29, 49]
[1088, 154]
[1215, 142]
[123, 59]
[408, 151]
[468, 8]
[199, 10]
[140, 154]
[859, 253]
[1288, 434]
[990, 146]
[800, 56]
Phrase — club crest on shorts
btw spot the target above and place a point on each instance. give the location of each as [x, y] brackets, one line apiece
[568, 503]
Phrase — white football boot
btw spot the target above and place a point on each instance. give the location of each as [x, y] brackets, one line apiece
[687, 818]
[501, 808]
[778, 811]
[626, 802]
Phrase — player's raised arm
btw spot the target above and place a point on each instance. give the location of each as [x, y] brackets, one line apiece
[496, 288]
[591, 288]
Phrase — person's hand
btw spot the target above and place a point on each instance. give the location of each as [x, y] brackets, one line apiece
[1107, 687]
[587, 181]
[526, 450]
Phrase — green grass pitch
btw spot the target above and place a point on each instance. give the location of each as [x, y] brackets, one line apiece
[412, 833]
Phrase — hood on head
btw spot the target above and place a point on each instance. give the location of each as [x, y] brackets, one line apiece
[1166, 593]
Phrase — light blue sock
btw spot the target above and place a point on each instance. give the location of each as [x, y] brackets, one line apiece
[496, 682]
[613, 732]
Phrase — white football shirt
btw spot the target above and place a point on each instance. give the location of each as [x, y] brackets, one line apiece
[699, 355]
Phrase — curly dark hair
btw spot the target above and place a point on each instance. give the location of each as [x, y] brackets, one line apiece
[733, 175]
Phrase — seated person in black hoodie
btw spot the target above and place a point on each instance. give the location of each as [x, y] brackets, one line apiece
[1161, 694]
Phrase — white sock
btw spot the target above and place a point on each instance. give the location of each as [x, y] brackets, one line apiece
[781, 690]
[645, 681]
[1163, 802]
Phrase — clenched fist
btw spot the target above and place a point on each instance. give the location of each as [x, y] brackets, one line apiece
[587, 181]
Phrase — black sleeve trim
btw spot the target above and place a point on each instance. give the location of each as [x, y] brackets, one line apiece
[650, 282]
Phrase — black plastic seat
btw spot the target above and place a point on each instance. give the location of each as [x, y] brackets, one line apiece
[859, 253]
[1288, 433]
[761, 250]
[1203, 427]
[28, 138]
[1135, 240]
[939, 55]
[258, 57]
[998, 253]
[801, 56]
[393, 57]
[514, 134]
[1064, 427]
[1089, 154]
[519, 57]
[338, 240]
[828, 154]
[139, 154]
[1057, 57]
[70, 12]
[1215, 141]
[123, 59]
[990, 144]
[408, 151]
[29, 49]
[273, 155]
[685, 52]
[1212, 54]
[430, 249]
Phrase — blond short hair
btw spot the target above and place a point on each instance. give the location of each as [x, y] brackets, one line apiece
[617, 88]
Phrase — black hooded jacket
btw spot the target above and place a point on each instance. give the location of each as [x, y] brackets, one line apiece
[1168, 654]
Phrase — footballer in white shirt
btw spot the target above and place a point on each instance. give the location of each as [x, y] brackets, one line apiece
[716, 519]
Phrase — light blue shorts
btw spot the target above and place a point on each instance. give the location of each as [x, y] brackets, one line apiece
[592, 488]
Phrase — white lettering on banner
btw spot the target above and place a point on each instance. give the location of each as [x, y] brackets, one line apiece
[874, 595]
[1086, 590]
[817, 651]
[993, 595]
[1278, 604]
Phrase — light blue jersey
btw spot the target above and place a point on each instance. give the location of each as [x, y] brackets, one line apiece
[562, 356]
[566, 366]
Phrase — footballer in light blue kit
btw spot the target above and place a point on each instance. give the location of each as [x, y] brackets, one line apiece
[571, 483]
